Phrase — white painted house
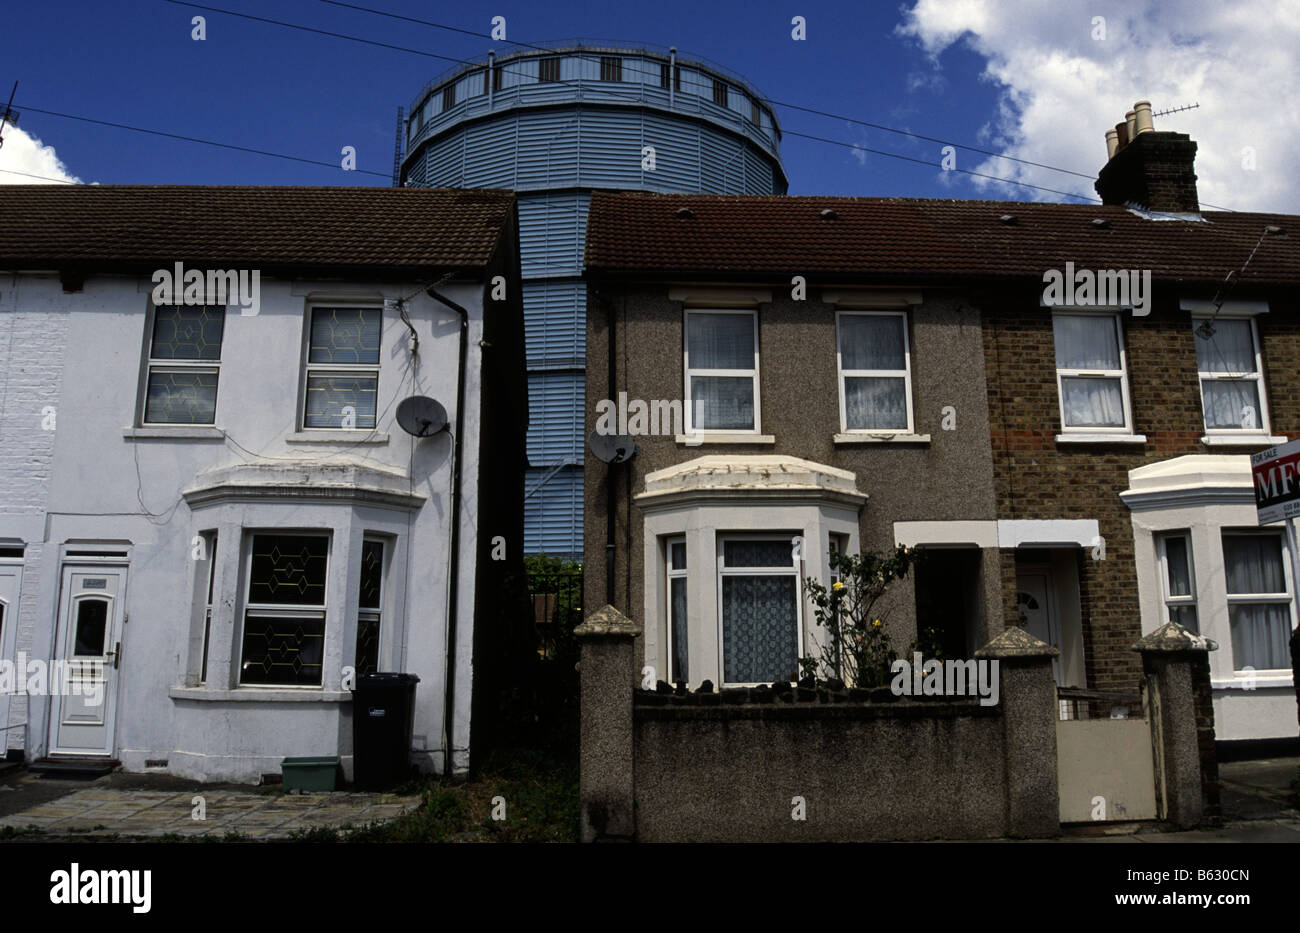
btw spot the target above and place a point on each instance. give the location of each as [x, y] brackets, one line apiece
[214, 499]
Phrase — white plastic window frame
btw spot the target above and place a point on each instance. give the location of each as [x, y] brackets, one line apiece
[844, 374]
[1120, 374]
[1262, 428]
[689, 373]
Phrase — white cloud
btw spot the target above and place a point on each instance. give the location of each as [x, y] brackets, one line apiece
[24, 156]
[1061, 89]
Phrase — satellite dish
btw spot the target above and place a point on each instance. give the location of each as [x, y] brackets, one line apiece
[421, 416]
[611, 448]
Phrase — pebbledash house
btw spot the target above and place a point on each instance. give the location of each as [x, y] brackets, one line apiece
[207, 496]
[1057, 403]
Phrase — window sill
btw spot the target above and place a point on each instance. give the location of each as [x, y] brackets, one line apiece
[345, 436]
[1101, 438]
[882, 438]
[1262, 682]
[181, 432]
[700, 440]
[261, 695]
[1241, 440]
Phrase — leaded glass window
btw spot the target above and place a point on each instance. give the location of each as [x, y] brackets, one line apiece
[210, 541]
[342, 369]
[678, 658]
[184, 363]
[370, 606]
[284, 620]
[760, 611]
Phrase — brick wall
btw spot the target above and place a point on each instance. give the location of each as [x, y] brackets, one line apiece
[1036, 478]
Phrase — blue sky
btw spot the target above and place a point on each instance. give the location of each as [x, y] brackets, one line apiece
[1023, 76]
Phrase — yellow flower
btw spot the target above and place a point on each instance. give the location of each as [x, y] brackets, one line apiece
[876, 624]
[837, 586]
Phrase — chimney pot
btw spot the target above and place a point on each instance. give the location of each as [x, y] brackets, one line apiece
[1112, 143]
[1130, 121]
[1121, 132]
[1142, 117]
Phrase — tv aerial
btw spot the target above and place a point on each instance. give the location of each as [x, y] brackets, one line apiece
[421, 416]
[611, 448]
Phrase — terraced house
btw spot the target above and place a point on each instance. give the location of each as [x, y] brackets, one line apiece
[211, 497]
[867, 372]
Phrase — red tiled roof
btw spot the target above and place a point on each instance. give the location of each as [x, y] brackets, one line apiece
[117, 226]
[902, 239]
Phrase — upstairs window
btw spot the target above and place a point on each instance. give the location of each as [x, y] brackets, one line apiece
[875, 372]
[720, 92]
[721, 363]
[611, 68]
[548, 70]
[183, 366]
[754, 112]
[1231, 376]
[342, 371]
[1090, 373]
[449, 97]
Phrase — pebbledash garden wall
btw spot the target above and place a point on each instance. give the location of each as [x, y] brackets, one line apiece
[793, 764]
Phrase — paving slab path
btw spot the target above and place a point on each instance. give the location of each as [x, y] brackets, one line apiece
[126, 805]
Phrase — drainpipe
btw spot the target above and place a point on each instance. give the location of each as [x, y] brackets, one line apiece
[453, 559]
[610, 497]
[491, 77]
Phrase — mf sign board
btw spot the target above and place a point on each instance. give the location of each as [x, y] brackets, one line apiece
[1276, 474]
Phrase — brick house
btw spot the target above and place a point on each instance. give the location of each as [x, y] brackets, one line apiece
[208, 499]
[864, 372]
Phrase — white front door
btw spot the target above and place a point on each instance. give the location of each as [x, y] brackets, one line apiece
[83, 687]
[11, 580]
[1036, 601]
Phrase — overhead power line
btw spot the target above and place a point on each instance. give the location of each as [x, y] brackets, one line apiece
[766, 100]
[469, 62]
[195, 139]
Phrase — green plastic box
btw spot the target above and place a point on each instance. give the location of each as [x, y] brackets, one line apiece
[309, 774]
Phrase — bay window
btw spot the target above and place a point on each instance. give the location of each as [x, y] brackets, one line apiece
[1179, 587]
[284, 616]
[760, 610]
[1259, 600]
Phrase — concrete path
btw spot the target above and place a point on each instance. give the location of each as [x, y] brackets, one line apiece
[127, 805]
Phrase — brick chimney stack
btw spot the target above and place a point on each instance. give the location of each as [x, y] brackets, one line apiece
[1150, 169]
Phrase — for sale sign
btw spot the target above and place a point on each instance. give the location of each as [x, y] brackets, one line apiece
[1276, 473]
